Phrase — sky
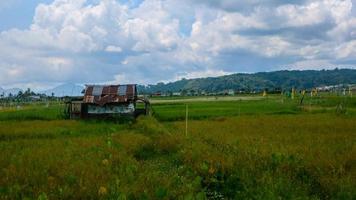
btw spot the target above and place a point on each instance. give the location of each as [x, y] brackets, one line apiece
[44, 43]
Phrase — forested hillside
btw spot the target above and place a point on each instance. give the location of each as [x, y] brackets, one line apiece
[259, 81]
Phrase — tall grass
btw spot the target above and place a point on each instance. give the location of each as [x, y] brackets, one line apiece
[41, 112]
[275, 105]
[205, 110]
[271, 157]
[264, 149]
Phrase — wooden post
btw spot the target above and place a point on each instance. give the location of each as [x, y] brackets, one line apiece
[186, 120]
[302, 99]
[239, 109]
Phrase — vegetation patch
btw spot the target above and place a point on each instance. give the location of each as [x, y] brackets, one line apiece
[263, 149]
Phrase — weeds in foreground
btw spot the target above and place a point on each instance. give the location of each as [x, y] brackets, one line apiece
[269, 155]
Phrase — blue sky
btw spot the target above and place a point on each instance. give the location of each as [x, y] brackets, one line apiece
[44, 43]
[18, 13]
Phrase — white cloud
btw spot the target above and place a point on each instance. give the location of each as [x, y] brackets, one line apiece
[114, 49]
[81, 41]
[308, 14]
[346, 50]
[344, 30]
[152, 27]
[119, 79]
[316, 65]
[200, 74]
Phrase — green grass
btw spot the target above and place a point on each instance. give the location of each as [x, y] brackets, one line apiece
[274, 105]
[261, 149]
[203, 110]
[36, 129]
[273, 157]
[42, 112]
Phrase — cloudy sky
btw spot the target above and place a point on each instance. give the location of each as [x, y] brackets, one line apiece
[44, 43]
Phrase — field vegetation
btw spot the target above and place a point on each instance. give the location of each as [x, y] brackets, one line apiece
[270, 148]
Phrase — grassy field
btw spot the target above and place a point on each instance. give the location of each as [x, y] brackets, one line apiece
[269, 148]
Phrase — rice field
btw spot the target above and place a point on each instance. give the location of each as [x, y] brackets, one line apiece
[265, 148]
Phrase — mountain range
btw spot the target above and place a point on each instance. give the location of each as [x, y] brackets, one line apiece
[240, 81]
[7, 92]
[68, 89]
[259, 81]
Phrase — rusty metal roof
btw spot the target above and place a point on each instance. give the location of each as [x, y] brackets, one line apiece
[104, 94]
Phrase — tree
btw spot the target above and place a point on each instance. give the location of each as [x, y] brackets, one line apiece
[20, 94]
[28, 92]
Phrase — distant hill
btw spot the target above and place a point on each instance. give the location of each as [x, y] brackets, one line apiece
[68, 89]
[13, 91]
[7, 92]
[259, 81]
[241, 81]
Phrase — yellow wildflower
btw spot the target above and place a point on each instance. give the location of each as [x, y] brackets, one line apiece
[211, 170]
[51, 181]
[105, 162]
[102, 191]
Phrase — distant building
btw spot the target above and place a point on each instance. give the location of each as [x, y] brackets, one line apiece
[231, 92]
[176, 94]
[34, 98]
[156, 94]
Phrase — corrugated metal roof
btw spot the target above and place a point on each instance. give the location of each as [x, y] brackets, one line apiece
[103, 94]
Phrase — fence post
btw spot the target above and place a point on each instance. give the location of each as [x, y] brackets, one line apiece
[186, 120]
